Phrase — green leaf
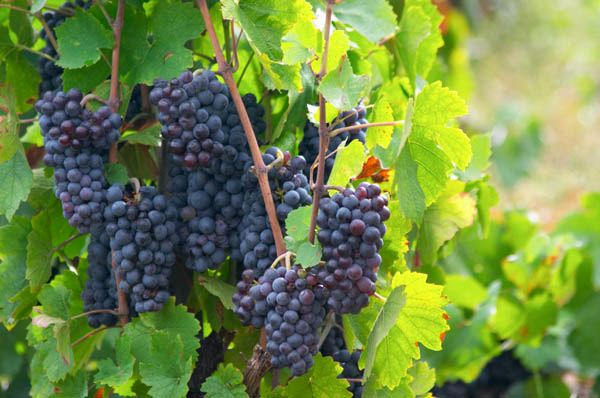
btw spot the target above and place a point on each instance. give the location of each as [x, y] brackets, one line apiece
[415, 26]
[169, 369]
[38, 5]
[13, 253]
[148, 136]
[56, 301]
[116, 172]
[80, 39]
[338, 46]
[301, 43]
[115, 374]
[421, 320]
[410, 194]
[548, 387]
[319, 382]
[265, 22]
[387, 317]
[423, 378]
[487, 197]
[380, 135]
[172, 319]
[452, 211]
[429, 46]
[218, 288]
[33, 135]
[167, 55]
[481, 146]
[86, 78]
[9, 135]
[73, 387]
[297, 223]
[20, 24]
[39, 250]
[464, 291]
[342, 87]
[308, 254]
[226, 382]
[373, 19]
[26, 90]
[56, 369]
[348, 163]
[17, 178]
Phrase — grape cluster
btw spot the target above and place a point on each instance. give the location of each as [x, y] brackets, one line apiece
[290, 190]
[199, 121]
[351, 232]
[100, 287]
[309, 146]
[349, 361]
[77, 143]
[51, 73]
[143, 237]
[290, 305]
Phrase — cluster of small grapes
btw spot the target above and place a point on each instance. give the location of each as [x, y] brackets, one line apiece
[77, 142]
[100, 287]
[290, 190]
[51, 73]
[309, 146]
[495, 379]
[351, 235]
[143, 237]
[289, 303]
[198, 120]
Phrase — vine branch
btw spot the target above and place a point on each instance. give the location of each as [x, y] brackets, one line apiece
[113, 100]
[363, 126]
[259, 165]
[323, 131]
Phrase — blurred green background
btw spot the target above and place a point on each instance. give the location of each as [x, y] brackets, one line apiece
[534, 84]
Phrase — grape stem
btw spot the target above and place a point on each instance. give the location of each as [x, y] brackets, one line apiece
[66, 242]
[48, 31]
[316, 163]
[376, 295]
[330, 322]
[101, 6]
[323, 132]
[354, 380]
[363, 126]
[338, 188]
[90, 334]
[113, 100]
[100, 311]
[261, 169]
[245, 68]
[90, 97]
[287, 256]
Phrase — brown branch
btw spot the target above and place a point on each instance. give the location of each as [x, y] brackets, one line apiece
[90, 97]
[323, 132]
[123, 307]
[261, 170]
[16, 8]
[100, 311]
[113, 100]
[256, 368]
[234, 45]
[364, 126]
[90, 334]
[66, 242]
[354, 380]
[336, 187]
[101, 6]
[48, 31]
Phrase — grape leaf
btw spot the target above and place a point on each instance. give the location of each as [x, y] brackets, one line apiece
[86, 78]
[464, 291]
[33, 135]
[9, 137]
[452, 211]
[395, 242]
[308, 254]
[423, 378]
[319, 382]
[80, 39]
[56, 301]
[116, 373]
[167, 378]
[342, 87]
[73, 386]
[481, 145]
[301, 43]
[348, 163]
[116, 172]
[39, 250]
[218, 288]
[338, 46]
[13, 254]
[297, 223]
[414, 26]
[38, 5]
[147, 136]
[374, 19]
[17, 178]
[56, 369]
[380, 135]
[410, 194]
[487, 197]
[386, 318]
[429, 46]
[226, 382]
[20, 24]
[421, 320]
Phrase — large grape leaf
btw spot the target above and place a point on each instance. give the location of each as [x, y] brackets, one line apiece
[26, 90]
[342, 88]
[452, 211]
[410, 194]
[348, 163]
[73, 386]
[17, 178]
[56, 301]
[226, 382]
[20, 24]
[429, 46]
[115, 374]
[380, 135]
[169, 369]
[414, 28]
[421, 320]
[13, 253]
[86, 78]
[80, 39]
[374, 19]
[9, 137]
[39, 250]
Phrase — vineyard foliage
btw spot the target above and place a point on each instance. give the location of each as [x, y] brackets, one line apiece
[454, 286]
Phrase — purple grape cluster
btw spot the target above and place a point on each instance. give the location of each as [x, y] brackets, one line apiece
[77, 142]
[199, 121]
[290, 190]
[290, 305]
[143, 237]
[51, 73]
[351, 234]
[100, 287]
[309, 146]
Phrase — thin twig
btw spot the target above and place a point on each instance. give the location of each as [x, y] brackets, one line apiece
[31, 50]
[100, 311]
[61, 11]
[354, 380]
[376, 295]
[336, 187]
[323, 132]
[227, 39]
[245, 68]
[90, 97]
[90, 334]
[259, 165]
[329, 323]
[105, 58]
[234, 45]
[16, 8]
[66, 242]
[101, 6]
[113, 100]
[48, 31]
[207, 57]
[364, 126]
[23, 121]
